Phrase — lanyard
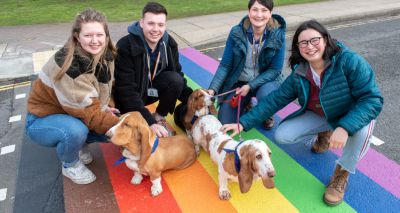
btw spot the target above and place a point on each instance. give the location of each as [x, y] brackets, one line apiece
[255, 51]
[152, 75]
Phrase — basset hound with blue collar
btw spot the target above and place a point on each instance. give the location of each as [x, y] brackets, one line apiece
[148, 155]
[240, 162]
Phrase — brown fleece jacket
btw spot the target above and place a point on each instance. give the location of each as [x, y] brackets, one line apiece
[79, 93]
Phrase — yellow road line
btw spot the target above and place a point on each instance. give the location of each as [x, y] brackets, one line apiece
[12, 86]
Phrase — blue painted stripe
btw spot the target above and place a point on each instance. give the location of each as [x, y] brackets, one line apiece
[195, 72]
[363, 194]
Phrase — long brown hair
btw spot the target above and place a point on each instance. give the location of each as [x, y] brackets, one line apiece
[72, 46]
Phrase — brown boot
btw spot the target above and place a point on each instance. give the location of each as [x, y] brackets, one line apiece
[269, 123]
[334, 192]
[321, 145]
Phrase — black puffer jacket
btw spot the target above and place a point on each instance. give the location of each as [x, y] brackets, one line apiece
[131, 71]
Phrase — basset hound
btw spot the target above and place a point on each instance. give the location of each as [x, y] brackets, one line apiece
[199, 103]
[148, 155]
[240, 162]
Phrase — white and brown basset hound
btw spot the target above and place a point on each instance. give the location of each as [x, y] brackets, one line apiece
[199, 103]
[148, 155]
[241, 162]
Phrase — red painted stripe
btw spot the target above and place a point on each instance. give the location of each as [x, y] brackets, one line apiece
[135, 198]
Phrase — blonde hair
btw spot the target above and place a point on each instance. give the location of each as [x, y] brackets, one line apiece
[72, 45]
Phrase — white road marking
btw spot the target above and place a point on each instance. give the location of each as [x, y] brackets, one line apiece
[7, 149]
[376, 141]
[15, 118]
[19, 96]
[3, 194]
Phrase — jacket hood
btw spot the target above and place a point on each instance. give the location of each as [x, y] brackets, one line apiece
[136, 30]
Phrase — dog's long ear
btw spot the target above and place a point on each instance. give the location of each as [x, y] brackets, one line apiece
[187, 119]
[212, 109]
[246, 171]
[144, 135]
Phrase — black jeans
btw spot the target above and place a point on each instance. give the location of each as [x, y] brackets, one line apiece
[169, 85]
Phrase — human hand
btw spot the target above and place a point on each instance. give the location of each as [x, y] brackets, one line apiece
[234, 127]
[159, 130]
[338, 139]
[113, 110]
[211, 92]
[244, 90]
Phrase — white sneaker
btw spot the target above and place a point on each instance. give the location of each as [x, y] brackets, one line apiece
[85, 156]
[79, 173]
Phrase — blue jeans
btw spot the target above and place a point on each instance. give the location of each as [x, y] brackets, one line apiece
[305, 128]
[227, 114]
[67, 133]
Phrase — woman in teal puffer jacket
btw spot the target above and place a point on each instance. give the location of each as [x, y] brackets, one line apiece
[339, 101]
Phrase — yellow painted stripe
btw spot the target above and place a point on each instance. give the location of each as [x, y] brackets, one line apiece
[258, 199]
[12, 86]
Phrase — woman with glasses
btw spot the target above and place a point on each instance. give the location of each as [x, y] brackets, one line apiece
[252, 60]
[339, 101]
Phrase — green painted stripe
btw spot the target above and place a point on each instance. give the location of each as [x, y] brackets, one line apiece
[298, 185]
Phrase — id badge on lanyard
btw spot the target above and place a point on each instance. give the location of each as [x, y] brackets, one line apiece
[152, 92]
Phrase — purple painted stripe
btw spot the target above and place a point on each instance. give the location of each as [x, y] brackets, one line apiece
[287, 110]
[200, 59]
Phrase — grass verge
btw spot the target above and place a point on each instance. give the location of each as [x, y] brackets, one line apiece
[25, 12]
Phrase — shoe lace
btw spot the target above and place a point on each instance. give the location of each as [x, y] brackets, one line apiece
[339, 182]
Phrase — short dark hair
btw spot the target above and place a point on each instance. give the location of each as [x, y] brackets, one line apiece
[330, 50]
[266, 3]
[154, 7]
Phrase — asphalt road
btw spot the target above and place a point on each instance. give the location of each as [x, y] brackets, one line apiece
[378, 41]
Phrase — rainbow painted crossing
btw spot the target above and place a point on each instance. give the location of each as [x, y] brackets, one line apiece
[300, 179]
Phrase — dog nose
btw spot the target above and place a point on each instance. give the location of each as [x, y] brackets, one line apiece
[212, 99]
[271, 174]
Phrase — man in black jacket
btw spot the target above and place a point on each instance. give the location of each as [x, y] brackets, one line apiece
[147, 69]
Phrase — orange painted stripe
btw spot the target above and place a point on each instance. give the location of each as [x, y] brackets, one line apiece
[135, 198]
[195, 191]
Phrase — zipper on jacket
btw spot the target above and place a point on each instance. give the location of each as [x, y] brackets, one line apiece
[145, 76]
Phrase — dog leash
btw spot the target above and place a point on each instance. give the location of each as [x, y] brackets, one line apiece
[239, 99]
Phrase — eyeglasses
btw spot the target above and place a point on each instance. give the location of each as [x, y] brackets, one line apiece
[313, 41]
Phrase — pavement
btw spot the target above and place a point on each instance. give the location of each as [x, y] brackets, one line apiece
[24, 49]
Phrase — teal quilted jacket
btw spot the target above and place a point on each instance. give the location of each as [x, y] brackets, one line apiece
[349, 94]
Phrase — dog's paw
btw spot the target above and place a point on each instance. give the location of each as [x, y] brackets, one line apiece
[224, 194]
[156, 190]
[136, 179]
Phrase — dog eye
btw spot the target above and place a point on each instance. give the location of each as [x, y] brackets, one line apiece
[259, 156]
[126, 125]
